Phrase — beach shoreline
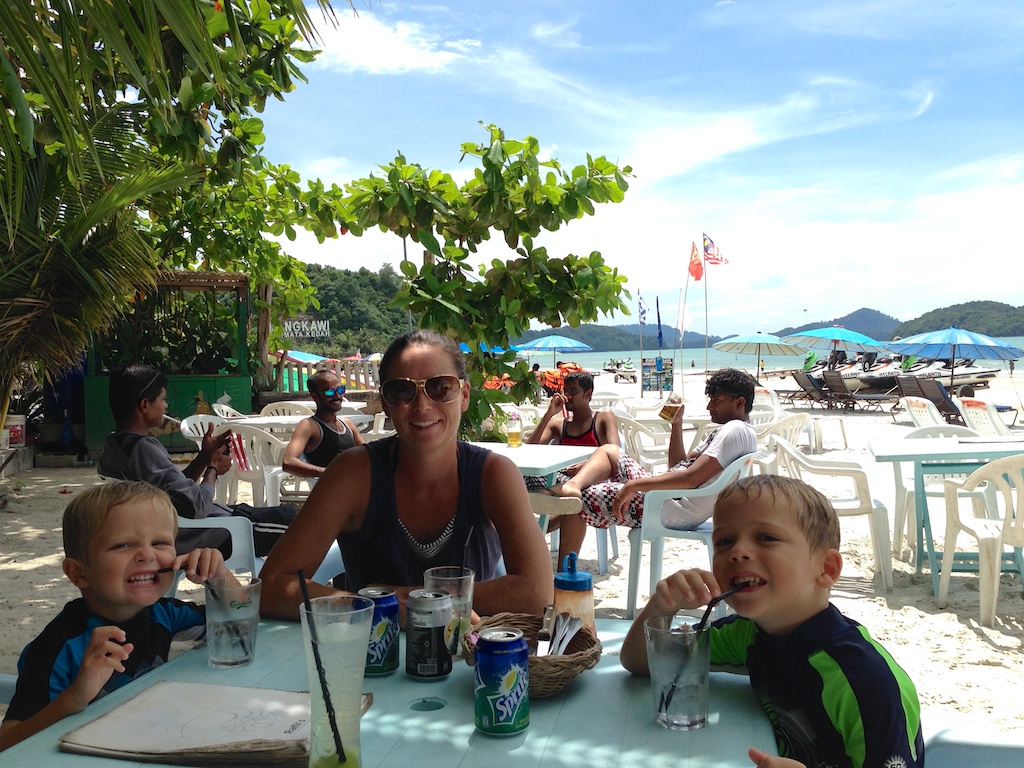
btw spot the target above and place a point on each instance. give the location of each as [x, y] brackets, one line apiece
[966, 675]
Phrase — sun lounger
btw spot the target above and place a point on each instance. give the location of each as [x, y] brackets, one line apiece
[812, 392]
[837, 386]
[932, 390]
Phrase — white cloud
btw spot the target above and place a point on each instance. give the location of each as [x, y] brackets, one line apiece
[366, 43]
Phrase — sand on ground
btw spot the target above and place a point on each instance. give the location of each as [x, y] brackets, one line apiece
[966, 675]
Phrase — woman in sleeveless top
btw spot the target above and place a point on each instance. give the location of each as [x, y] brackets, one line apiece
[422, 498]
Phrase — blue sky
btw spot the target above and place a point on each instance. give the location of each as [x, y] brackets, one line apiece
[840, 154]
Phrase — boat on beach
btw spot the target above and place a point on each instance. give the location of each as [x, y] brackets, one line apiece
[880, 375]
[622, 369]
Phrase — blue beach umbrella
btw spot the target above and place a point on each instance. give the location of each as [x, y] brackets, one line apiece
[554, 343]
[951, 343]
[833, 339]
[758, 344]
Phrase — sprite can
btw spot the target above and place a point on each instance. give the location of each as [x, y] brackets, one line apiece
[502, 690]
[382, 652]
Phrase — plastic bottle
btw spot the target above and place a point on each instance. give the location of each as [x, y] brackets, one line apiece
[574, 593]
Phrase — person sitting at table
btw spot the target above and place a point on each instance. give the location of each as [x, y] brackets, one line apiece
[611, 482]
[119, 552]
[138, 399]
[834, 696]
[418, 499]
[321, 437]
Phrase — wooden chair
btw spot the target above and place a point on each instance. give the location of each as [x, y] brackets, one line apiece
[932, 390]
[653, 530]
[838, 387]
[1003, 527]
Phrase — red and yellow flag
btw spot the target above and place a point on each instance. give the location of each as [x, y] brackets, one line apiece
[696, 268]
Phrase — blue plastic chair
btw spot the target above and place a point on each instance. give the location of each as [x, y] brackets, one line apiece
[960, 748]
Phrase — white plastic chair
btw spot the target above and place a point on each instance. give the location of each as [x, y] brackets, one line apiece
[257, 458]
[378, 430]
[648, 447]
[1003, 527]
[653, 530]
[859, 502]
[285, 408]
[982, 417]
[243, 553]
[922, 412]
[904, 515]
[7, 685]
[766, 399]
[226, 411]
[194, 427]
[788, 428]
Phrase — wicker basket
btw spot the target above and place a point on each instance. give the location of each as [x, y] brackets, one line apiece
[548, 674]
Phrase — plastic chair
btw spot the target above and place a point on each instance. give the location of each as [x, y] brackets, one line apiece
[1000, 529]
[982, 417]
[922, 412]
[789, 428]
[226, 411]
[243, 553]
[285, 408]
[7, 685]
[859, 502]
[257, 460]
[906, 500]
[766, 399]
[653, 530]
[957, 748]
[647, 446]
[546, 507]
[378, 430]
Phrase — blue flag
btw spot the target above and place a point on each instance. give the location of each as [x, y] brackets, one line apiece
[657, 306]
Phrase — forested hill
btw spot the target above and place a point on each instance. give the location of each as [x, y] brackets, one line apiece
[992, 318]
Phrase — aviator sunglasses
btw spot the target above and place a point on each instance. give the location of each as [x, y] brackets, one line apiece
[440, 389]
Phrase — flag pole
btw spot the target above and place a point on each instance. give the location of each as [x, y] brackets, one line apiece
[681, 325]
[640, 314]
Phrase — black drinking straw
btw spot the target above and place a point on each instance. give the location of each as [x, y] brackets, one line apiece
[314, 643]
[666, 697]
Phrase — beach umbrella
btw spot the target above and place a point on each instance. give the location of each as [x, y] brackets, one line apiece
[833, 339]
[554, 343]
[758, 344]
[951, 343]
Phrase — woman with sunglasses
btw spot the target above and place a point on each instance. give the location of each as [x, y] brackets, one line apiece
[419, 499]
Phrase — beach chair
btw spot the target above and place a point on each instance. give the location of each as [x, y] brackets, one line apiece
[285, 408]
[651, 528]
[922, 412]
[812, 391]
[837, 386]
[194, 427]
[648, 447]
[932, 390]
[226, 411]
[984, 417]
[909, 386]
[1002, 527]
[859, 502]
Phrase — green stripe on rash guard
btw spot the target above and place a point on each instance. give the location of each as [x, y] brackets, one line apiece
[908, 692]
[838, 698]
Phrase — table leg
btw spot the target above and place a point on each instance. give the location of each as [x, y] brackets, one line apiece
[924, 527]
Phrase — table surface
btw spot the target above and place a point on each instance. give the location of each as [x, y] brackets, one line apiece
[289, 422]
[605, 718]
[533, 459]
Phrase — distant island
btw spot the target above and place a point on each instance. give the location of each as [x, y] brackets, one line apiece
[989, 317]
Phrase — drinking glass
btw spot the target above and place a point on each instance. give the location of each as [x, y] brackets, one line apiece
[457, 581]
[336, 632]
[232, 615]
[679, 662]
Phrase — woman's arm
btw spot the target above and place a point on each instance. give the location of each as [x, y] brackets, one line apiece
[529, 585]
[337, 503]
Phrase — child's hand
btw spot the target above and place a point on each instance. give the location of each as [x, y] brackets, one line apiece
[683, 589]
[764, 760]
[106, 653]
[201, 564]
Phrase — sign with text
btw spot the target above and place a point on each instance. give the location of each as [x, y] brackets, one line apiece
[307, 329]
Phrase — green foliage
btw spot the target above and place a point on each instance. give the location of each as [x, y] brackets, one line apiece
[992, 318]
[870, 322]
[516, 194]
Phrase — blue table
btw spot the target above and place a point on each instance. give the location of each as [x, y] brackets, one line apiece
[944, 455]
[605, 718]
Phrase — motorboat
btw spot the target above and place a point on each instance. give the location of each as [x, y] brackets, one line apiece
[882, 375]
[623, 369]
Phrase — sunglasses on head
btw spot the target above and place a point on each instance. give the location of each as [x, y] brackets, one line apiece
[440, 389]
[712, 391]
[333, 392]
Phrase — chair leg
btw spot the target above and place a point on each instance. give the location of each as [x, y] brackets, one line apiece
[948, 550]
[636, 546]
[614, 541]
[990, 549]
[602, 550]
[657, 555]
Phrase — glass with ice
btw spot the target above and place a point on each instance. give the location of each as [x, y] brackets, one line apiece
[336, 632]
[232, 615]
[457, 581]
[679, 662]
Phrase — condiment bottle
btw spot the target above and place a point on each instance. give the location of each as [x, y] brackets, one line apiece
[574, 593]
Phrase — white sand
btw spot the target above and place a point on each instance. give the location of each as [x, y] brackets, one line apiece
[965, 674]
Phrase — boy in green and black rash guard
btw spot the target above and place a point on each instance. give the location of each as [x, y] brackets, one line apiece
[834, 696]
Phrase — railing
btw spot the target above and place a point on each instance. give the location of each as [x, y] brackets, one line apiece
[354, 374]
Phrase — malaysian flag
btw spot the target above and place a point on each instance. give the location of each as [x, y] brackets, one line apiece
[711, 253]
[641, 309]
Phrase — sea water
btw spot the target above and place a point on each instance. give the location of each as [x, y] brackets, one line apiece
[342, 650]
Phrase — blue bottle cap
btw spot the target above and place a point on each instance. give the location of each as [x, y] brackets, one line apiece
[572, 580]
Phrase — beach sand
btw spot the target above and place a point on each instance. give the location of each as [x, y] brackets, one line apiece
[966, 675]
